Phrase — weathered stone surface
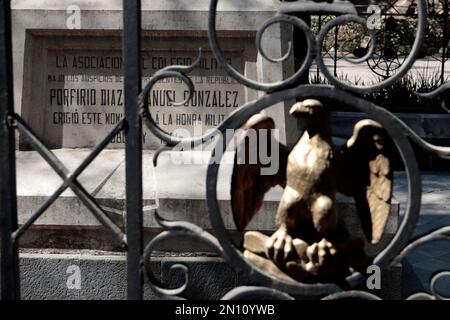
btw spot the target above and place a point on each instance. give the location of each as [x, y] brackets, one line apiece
[68, 81]
[45, 277]
[266, 266]
[80, 95]
[255, 242]
[184, 200]
[210, 278]
[103, 276]
[36, 178]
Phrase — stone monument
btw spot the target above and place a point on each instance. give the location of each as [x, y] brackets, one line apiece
[69, 88]
[69, 80]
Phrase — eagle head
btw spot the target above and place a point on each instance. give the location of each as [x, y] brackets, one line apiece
[309, 111]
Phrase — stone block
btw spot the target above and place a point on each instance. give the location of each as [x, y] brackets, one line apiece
[46, 276]
[210, 278]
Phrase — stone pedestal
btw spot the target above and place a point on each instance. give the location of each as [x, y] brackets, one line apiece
[68, 87]
[68, 77]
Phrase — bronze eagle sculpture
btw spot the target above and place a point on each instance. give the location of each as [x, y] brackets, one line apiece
[311, 243]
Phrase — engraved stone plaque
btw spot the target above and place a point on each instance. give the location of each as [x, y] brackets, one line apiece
[73, 85]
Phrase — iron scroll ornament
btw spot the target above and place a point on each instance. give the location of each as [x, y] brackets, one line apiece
[396, 129]
[315, 50]
[384, 258]
[400, 133]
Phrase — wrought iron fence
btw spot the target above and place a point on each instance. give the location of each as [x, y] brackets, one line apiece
[137, 113]
[392, 36]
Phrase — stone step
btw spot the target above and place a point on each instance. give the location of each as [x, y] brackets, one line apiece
[183, 200]
[47, 275]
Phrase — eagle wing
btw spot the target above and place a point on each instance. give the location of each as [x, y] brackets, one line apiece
[248, 184]
[364, 172]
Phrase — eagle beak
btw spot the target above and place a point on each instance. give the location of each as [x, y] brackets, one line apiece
[299, 110]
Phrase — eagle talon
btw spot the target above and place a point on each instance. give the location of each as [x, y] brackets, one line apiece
[279, 247]
[318, 254]
[311, 173]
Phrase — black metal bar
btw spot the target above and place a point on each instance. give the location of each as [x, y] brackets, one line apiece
[445, 41]
[10, 276]
[69, 181]
[319, 23]
[336, 32]
[63, 172]
[133, 145]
